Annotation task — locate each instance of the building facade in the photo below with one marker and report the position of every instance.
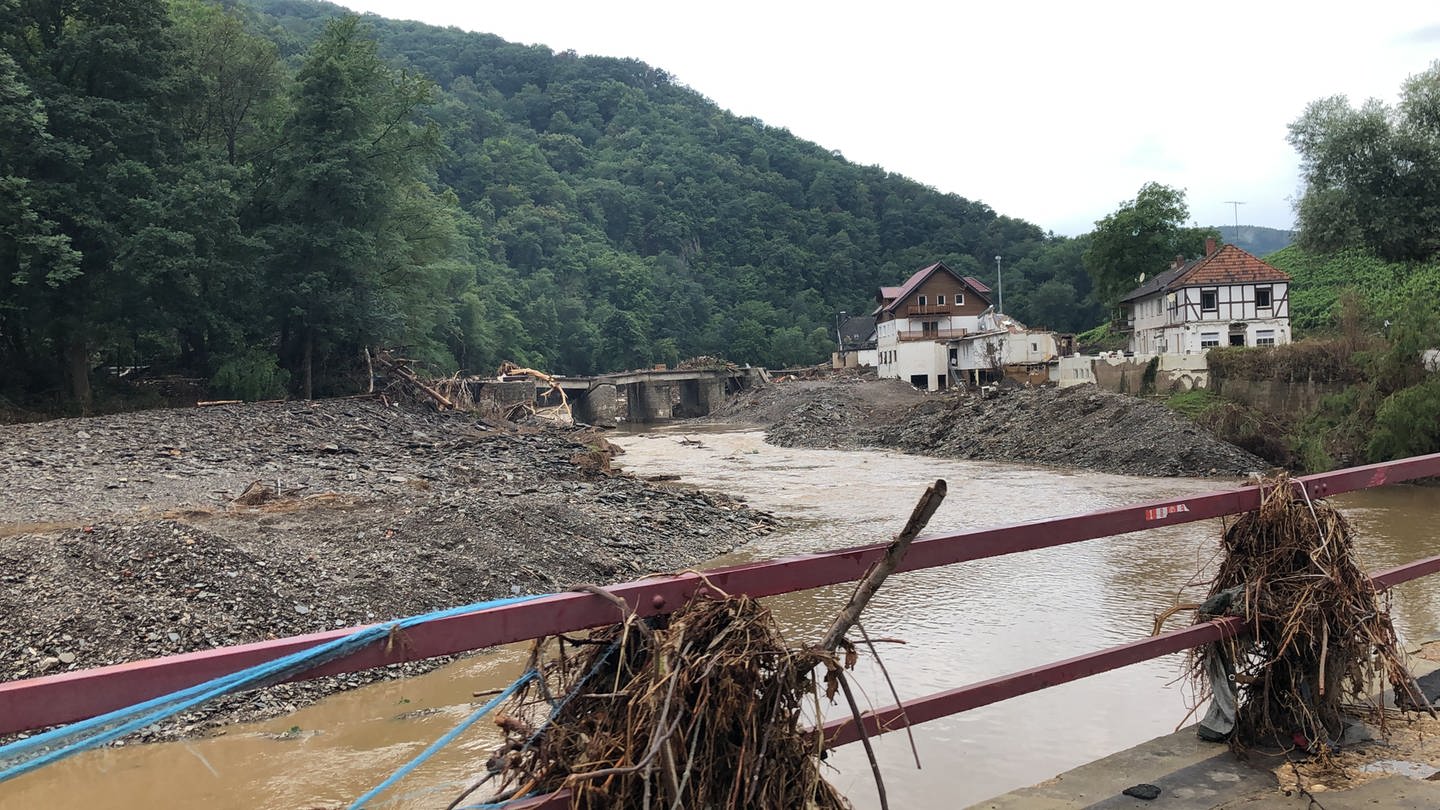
(916, 321)
(1226, 298)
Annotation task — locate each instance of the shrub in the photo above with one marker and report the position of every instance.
(1102, 339)
(252, 375)
(1407, 423)
(1327, 361)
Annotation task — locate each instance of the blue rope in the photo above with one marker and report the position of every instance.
(481, 712)
(499, 805)
(52, 746)
(444, 740)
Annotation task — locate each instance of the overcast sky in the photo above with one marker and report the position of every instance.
(1052, 112)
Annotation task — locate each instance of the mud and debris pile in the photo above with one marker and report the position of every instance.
(1070, 427)
(161, 532)
(797, 403)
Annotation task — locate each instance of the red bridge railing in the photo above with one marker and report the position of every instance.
(63, 698)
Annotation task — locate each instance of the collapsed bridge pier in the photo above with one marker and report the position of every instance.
(656, 395)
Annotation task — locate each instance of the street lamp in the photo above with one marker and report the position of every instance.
(840, 329)
(1000, 283)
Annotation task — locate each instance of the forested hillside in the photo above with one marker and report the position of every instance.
(251, 195)
(1255, 239)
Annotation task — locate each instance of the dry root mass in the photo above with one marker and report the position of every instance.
(704, 708)
(1319, 638)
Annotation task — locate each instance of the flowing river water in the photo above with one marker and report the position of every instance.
(962, 624)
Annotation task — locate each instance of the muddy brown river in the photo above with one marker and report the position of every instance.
(962, 624)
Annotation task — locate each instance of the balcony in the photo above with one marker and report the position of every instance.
(930, 309)
(930, 334)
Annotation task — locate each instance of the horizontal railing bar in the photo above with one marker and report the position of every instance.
(70, 696)
(843, 731)
(1005, 687)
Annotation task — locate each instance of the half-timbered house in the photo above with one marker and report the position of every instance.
(1225, 298)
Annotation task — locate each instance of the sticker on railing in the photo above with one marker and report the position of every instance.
(1159, 512)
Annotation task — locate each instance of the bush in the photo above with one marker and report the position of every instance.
(1407, 423)
(1311, 455)
(251, 376)
(1102, 339)
(1336, 432)
(1325, 361)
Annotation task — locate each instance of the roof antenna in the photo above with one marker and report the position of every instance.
(1236, 204)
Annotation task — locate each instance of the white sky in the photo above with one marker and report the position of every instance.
(1051, 112)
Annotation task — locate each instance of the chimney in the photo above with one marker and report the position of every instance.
(1209, 245)
(1178, 263)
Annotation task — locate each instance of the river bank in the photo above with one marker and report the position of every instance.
(1077, 428)
(160, 532)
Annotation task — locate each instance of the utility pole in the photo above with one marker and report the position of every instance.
(1000, 285)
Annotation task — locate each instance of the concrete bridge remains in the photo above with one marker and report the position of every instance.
(656, 395)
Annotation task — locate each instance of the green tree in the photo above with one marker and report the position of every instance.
(350, 223)
(1372, 174)
(231, 79)
(89, 84)
(1139, 239)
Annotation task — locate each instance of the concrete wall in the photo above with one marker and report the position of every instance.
(1182, 372)
(854, 358)
(503, 395)
(1173, 372)
(1277, 395)
(909, 360)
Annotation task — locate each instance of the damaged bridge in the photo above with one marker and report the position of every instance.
(643, 396)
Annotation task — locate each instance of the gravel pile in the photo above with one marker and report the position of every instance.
(128, 541)
(1071, 427)
(862, 399)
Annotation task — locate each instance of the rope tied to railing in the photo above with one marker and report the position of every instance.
(23, 756)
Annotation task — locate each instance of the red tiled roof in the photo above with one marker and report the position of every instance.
(977, 284)
(1228, 265)
(889, 293)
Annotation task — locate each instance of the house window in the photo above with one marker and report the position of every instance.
(959, 299)
(1209, 301)
(1262, 297)
(940, 300)
(930, 328)
(922, 301)
(1264, 337)
(1208, 339)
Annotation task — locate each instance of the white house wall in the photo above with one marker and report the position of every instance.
(909, 359)
(1158, 329)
